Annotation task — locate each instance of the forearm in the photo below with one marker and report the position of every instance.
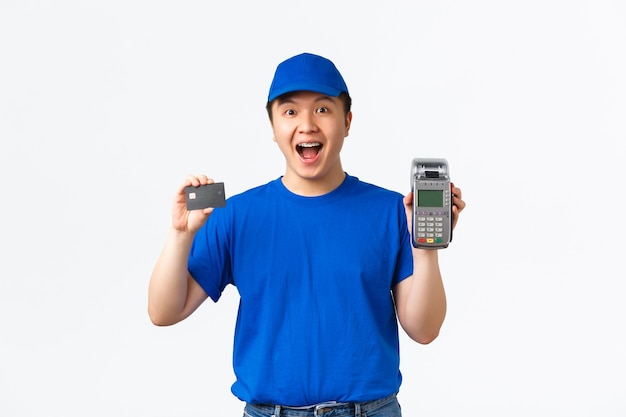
(168, 289)
(421, 299)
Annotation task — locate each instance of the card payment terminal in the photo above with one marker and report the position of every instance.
(432, 203)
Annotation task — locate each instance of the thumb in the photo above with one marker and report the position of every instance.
(408, 199)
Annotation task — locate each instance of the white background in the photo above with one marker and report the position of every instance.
(105, 106)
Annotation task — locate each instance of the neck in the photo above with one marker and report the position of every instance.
(312, 187)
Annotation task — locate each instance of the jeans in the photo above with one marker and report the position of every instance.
(385, 407)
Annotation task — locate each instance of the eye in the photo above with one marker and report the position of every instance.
(322, 110)
(289, 112)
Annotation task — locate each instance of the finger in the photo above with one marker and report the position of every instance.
(204, 180)
(459, 204)
(191, 180)
(455, 217)
(456, 191)
(197, 180)
(408, 199)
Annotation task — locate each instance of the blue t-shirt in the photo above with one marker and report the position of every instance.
(316, 319)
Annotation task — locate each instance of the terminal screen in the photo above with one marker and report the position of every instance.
(430, 198)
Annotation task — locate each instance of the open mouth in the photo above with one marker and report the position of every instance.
(309, 150)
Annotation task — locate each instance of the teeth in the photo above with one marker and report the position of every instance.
(310, 145)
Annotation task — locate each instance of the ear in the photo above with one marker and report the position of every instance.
(348, 123)
(272, 127)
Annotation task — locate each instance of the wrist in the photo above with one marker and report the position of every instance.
(426, 254)
(181, 236)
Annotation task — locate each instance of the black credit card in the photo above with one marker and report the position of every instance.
(204, 196)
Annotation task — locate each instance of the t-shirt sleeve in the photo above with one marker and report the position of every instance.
(209, 258)
(404, 265)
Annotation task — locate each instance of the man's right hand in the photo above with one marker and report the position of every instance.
(184, 220)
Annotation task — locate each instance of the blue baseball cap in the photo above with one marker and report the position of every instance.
(307, 72)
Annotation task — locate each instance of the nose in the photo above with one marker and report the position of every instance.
(307, 122)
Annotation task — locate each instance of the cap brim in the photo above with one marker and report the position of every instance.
(317, 88)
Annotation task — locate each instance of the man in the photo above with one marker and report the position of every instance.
(322, 262)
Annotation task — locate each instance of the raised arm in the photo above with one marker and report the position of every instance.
(172, 293)
(421, 299)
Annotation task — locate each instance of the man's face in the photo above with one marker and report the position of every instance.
(309, 129)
